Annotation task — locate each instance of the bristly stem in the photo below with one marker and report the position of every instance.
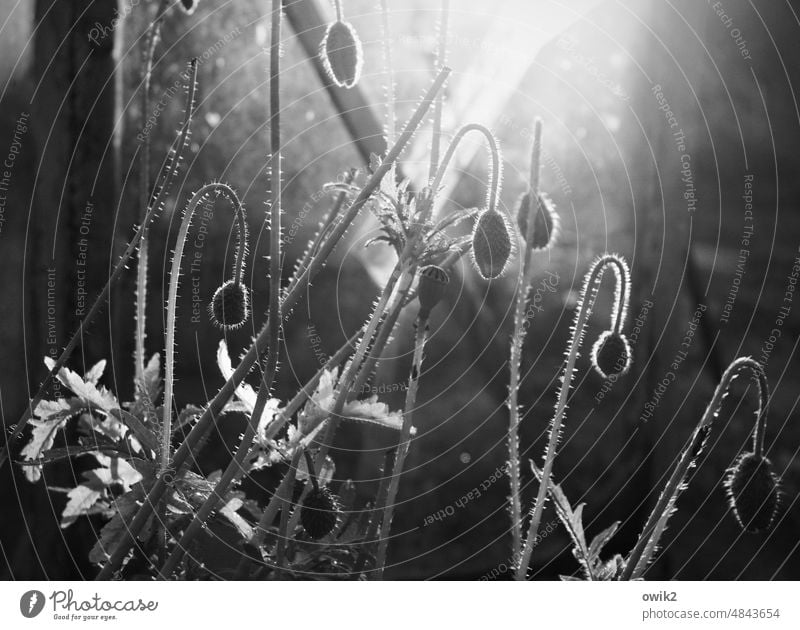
(259, 345)
(172, 298)
(170, 170)
(646, 545)
(494, 154)
(150, 44)
(404, 446)
(441, 60)
(339, 12)
(274, 321)
(584, 310)
(389, 68)
(515, 362)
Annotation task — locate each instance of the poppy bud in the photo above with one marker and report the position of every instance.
(229, 306)
(188, 6)
(319, 513)
(432, 285)
(753, 492)
(545, 221)
(341, 54)
(611, 354)
(491, 244)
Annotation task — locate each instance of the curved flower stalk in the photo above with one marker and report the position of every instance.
(764, 503)
(260, 344)
(433, 282)
(171, 167)
(517, 341)
(585, 306)
(496, 167)
(172, 298)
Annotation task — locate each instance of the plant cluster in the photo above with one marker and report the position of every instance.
(143, 480)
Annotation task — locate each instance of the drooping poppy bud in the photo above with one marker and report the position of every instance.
(491, 244)
(230, 305)
(611, 354)
(342, 54)
(188, 6)
(545, 222)
(433, 282)
(319, 513)
(753, 492)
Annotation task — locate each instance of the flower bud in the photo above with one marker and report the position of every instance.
(188, 6)
(319, 513)
(229, 307)
(545, 221)
(491, 244)
(611, 354)
(753, 492)
(433, 282)
(342, 55)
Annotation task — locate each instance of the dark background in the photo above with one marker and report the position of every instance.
(612, 169)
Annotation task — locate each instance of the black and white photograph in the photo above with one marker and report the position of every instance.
(408, 291)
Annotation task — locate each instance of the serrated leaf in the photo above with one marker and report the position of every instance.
(601, 540)
(152, 377)
(145, 436)
(244, 392)
(82, 498)
(88, 391)
(79, 501)
(95, 372)
(115, 529)
(51, 416)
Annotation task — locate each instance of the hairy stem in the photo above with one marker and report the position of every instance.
(441, 60)
(494, 153)
(172, 299)
(588, 297)
(515, 362)
(170, 170)
(259, 346)
(405, 444)
(645, 547)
